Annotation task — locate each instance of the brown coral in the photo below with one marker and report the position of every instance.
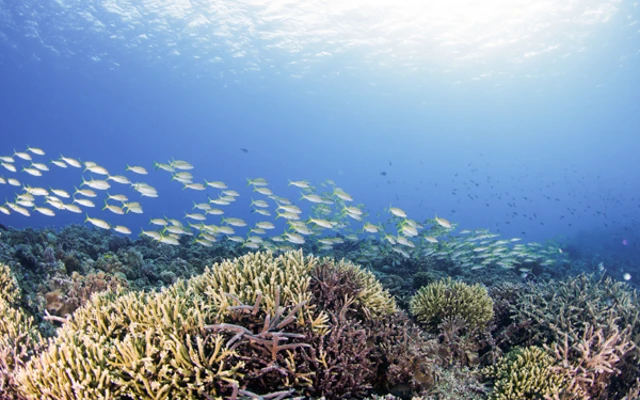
(360, 352)
(405, 356)
(267, 352)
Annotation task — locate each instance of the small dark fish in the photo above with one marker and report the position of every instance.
(383, 173)
(390, 163)
(244, 150)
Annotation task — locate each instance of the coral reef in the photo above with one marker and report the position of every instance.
(268, 353)
(137, 319)
(447, 298)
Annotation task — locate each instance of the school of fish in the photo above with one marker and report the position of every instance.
(332, 219)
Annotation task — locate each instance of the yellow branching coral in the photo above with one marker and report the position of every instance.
(145, 345)
(447, 299)
(259, 273)
(527, 373)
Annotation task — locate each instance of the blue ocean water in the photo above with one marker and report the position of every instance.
(522, 118)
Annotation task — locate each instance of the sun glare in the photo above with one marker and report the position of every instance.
(402, 35)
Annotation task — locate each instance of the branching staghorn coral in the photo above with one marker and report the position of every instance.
(288, 275)
(367, 346)
(593, 318)
(342, 359)
(569, 307)
(591, 362)
(457, 347)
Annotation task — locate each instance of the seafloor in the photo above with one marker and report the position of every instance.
(88, 314)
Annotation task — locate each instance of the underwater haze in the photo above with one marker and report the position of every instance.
(520, 117)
